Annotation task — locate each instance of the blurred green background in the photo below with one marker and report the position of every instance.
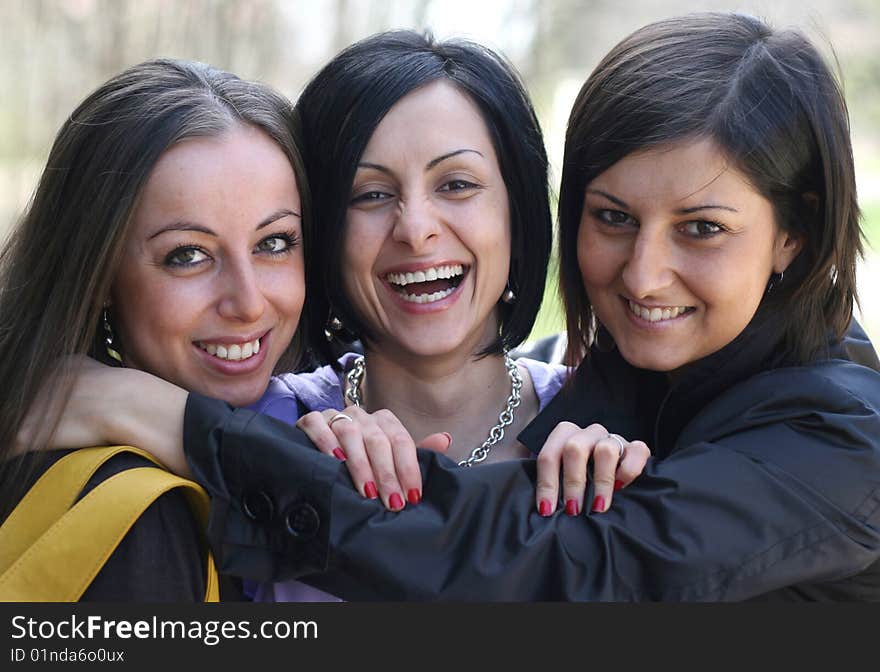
(54, 52)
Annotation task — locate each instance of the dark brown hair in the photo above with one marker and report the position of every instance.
(771, 103)
(58, 265)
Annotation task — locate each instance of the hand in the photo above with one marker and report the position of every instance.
(571, 448)
(379, 452)
(108, 406)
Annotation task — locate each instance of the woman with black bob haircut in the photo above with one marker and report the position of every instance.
(709, 231)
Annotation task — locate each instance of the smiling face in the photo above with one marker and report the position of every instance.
(675, 248)
(211, 284)
(427, 245)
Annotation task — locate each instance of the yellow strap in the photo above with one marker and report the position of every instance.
(51, 496)
(57, 565)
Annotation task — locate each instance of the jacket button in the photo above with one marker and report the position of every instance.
(257, 506)
(302, 520)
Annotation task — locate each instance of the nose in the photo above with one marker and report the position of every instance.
(416, 225)
(650, 267)
(242, 298)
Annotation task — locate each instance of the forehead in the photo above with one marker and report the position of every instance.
(233, 172)
(432, 118)
(676, 172)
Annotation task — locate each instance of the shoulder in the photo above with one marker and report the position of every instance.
(291, 395)
(839, 391)
(161, 558)
(547, 378)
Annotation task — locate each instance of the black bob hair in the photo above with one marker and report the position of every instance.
(340, 109)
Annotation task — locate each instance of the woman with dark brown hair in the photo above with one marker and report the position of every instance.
(709, 232)
(165, 234)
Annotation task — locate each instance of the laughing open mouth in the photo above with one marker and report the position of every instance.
(429, 284)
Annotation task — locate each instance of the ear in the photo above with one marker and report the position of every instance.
(786, 247)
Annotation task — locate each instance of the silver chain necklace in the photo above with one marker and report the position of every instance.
(353, 395)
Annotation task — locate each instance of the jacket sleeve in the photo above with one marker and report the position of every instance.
(726, 519)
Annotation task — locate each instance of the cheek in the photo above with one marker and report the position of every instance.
(597, 261)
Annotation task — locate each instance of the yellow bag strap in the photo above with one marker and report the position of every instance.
(51, 562)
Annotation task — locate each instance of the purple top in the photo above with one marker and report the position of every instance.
(290, 396)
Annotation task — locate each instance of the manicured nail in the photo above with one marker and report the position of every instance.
(396, 501)
(448, 438)
(599, 504)
(370, 490)
(414, 496)
(618, 485)
(339, 454)
(571, 507)
(544, 507)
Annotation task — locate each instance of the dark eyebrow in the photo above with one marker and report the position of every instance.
(681, 211)
(440, 159)
(611, 198)
(430, 164)
(191, 226)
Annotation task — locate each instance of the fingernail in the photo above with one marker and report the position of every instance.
(396, 501)
(370, 490)
(544, 507)
(339, 454)
(414, 496)
(448, 438)
(618, 485)
(599, 504)
(571, 507)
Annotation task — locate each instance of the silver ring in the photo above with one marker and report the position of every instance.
(339, 416)
(620, 442)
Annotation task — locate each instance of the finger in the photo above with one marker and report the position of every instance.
(439, 443)
(633, 463)
(403, 452)
(316, 425)
(606, 456)
(550, 462)
(348, 436)
(381, 458)
(575, 455)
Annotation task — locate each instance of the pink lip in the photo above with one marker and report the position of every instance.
(233, 368)
(424, 308)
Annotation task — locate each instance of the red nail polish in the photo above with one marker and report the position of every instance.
(599, 504)
(396, 501)
(618, 485)
(370, 490)
(339, 454)
(544, 507)
(571, 507)
(414, 496)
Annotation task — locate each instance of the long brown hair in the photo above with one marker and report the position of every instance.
(58, 265)
(773, 105)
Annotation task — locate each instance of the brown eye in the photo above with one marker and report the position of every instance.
(702, 228)
(614, 217)
(185, 256)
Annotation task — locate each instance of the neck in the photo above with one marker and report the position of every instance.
(462, 396)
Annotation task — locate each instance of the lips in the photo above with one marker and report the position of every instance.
(657, 313)
(427, 285)
(231, 351)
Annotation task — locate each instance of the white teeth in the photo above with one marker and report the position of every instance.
(656, 314)
(434, 273)
(234, 352)
(427, 298)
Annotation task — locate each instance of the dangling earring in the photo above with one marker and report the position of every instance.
(109, 337)
(509, 295)
(334, 326)
(775, 281)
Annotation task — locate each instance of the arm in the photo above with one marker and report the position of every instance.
(727, 519)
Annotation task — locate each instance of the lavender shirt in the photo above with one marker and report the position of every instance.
(290, 396)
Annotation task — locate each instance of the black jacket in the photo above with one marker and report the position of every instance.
(766, 484)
